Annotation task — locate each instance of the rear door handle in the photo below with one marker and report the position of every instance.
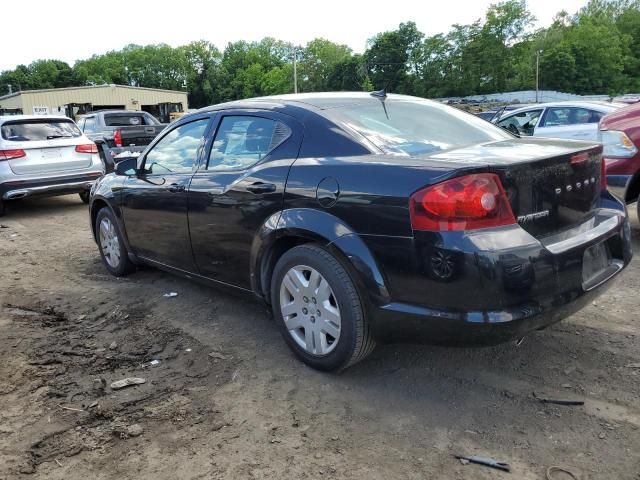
(175, 188)
(260, 187)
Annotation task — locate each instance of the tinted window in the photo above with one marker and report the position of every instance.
(37, 130)
(177, 151)
(89, 125)
(562, 116)
(242, 141)
(125, 120)
(410, 127)
(522, 123)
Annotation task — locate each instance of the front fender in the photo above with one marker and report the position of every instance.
(325, 229)
(106, 191)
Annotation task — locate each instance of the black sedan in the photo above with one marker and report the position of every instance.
(364, 218)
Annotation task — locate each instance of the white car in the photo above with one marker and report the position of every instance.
(572, 120)
(45, 155)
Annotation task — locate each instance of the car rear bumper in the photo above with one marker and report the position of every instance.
(16, 189)
(397, 322)
(505, 285)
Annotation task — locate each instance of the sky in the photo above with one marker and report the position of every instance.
(76, 29)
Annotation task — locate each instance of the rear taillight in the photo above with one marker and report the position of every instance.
(117, 138)
(603, 175)
(11, 154)
(87, 148)
(463, 203)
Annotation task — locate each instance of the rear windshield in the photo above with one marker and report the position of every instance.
(37, 130)
(126, 120)
(415, 127)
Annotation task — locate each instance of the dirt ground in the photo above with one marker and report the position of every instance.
(228, 400)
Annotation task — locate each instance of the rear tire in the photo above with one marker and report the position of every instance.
(318, 309)
(112, 249)
(85, 196)
(2, 209)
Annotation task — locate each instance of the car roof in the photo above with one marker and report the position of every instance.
(600, 106)
(121, 112)
(11, 118)
(310, 101)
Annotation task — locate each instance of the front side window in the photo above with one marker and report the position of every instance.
(242, 141)
(522, 123)
(38, 130)
(177, 151)
(89, 125)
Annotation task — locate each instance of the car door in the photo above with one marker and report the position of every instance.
(523, 122)
(239, 185)
(575, 123)
(154, 201)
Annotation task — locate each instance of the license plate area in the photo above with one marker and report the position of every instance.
(595, 261)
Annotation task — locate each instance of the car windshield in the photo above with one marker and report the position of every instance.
(414, 127)
(37, 130)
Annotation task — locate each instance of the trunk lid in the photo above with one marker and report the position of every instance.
(552, 185)
(49, 156)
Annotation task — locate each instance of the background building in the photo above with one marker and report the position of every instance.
(75, 101)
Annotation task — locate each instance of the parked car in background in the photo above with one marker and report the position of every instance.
(45, 155)
(493, 114)
(572, 120)
(117, 131)
(364, 218)
(620, 135)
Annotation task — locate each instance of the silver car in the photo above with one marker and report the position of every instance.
(45, 155)
(572, 120)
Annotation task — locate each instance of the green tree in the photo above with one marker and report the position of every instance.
(319, 60)
(393, 56)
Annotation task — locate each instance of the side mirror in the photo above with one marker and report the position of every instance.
(127, 166)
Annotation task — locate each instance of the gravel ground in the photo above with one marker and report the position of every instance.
(228, 400)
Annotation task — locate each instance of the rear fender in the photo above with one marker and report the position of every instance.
(327, 230)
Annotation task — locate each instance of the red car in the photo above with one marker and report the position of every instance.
(619, 132)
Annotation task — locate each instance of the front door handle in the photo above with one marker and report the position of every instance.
(260, 187)
(175, 188)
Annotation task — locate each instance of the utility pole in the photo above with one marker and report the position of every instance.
(538, 52)
(295, 70)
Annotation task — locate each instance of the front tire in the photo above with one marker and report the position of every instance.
(318, 309)
(85, 196)
(112, 248)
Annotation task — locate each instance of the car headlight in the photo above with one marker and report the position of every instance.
(616, 144)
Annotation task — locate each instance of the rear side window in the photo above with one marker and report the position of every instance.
(38, 130)
(125, 120)
(242, 141)
(414, 127)
(562, 116)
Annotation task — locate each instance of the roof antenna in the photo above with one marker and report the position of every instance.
(382, 96)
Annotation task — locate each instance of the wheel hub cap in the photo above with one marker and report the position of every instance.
(310, 310)
(109, 243)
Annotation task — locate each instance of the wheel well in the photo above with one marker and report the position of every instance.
(269, 260)
(633, 190)
(95, 208)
